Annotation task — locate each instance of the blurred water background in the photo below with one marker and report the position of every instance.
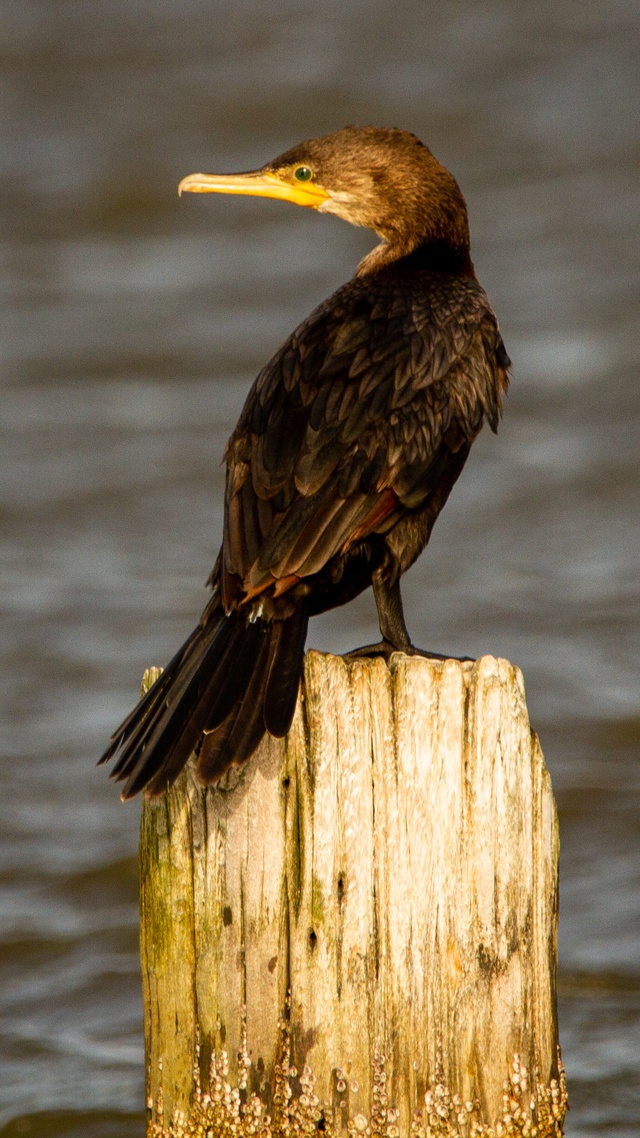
(133, 325)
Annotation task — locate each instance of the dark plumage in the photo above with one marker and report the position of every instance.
(349, 443)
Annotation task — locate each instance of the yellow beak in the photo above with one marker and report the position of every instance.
(261, 184)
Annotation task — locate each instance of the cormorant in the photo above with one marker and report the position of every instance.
(347, 448)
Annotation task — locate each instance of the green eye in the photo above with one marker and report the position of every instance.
(302, 174)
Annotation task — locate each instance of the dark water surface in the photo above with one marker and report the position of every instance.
(133, 325)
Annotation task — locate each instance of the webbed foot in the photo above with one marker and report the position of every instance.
(383, 648)
(386, 649)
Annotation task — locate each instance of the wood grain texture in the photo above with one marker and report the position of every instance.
(392, 864)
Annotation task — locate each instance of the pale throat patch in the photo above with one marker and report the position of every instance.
(335, 202)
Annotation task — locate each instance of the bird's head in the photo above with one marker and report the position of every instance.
(381, 179)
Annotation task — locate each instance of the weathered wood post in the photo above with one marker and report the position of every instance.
(360, 934)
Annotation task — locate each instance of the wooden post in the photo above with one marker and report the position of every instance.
(357, 933)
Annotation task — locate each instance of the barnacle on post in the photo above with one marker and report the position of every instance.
(223, 1111)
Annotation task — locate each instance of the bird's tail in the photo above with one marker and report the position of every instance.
(236, 677)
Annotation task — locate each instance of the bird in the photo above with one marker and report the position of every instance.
(349, 443)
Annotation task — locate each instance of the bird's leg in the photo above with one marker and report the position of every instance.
(391, 614)
(395, 637)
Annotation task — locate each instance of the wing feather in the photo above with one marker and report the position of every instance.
(355, 419)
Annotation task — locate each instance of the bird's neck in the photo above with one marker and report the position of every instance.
(436, 256)
(427, 227)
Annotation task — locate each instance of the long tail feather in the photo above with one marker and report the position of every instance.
(170, 710)
(284, 674)
(235, 677)
(236, 738)
(146, 705)
(176, 734)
